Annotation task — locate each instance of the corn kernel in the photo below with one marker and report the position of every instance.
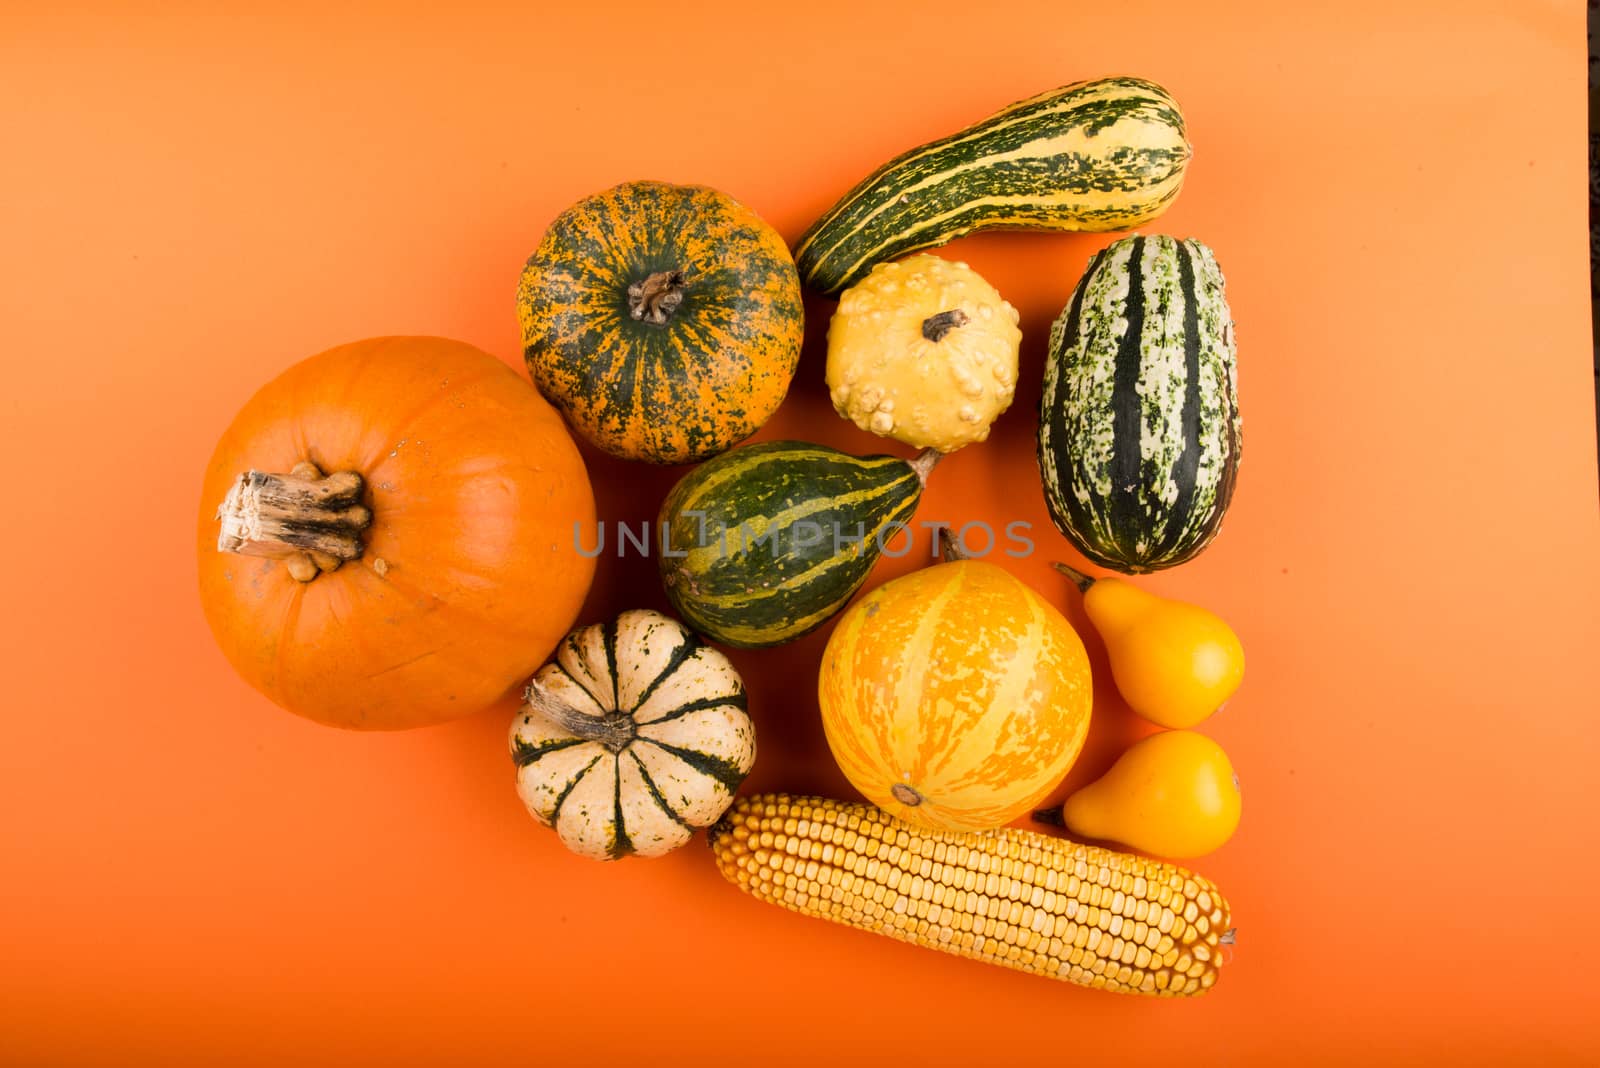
(1106, 920)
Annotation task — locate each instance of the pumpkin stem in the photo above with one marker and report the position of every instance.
(655, 298)
(310, 521)
(1079, 579)
(922, 463)
(948, 549)
(614, 730)
(935, 327)
(1051, 817)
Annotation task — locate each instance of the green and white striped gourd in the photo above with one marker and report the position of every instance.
(635, 735)
(766, 542)
(1096, 155)
(1139, 431)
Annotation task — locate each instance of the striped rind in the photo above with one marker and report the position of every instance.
(958, 682)
(767, 542)
(1098, 156)
(1139, 431)
(693, 747)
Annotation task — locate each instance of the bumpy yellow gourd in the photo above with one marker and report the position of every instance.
(923, 351)
(1174, 663)
(1173, 794)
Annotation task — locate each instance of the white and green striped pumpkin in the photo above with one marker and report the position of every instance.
(635, 735)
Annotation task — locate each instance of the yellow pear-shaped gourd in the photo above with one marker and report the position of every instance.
(923, 351)
(1173, 794)
(1174, 663)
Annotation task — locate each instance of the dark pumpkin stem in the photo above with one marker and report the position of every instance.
(948, 549)
(1079, 579)
(1051, 817)
(615, 730)
(310, 521)
(935, 327)
(655, 298)
(922, 463)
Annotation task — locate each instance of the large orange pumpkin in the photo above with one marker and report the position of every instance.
(955, 697)
(386, 534)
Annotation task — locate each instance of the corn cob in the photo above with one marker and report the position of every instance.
(1111, 921)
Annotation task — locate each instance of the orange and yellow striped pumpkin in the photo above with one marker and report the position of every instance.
(955, 697)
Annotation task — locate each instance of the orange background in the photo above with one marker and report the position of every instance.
(192, 202)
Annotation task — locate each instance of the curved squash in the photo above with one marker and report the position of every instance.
(767, 542)
(1096, 156)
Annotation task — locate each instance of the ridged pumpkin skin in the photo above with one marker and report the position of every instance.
(633, 736)
(719, 361)
(469, 575)
(1139, 432)
(1099, 155)
(767, 542)
(959, 686)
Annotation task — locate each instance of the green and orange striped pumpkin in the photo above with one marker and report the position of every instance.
(955, 697)
(663, 320)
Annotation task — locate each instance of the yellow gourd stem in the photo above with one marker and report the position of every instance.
(310, 521)
(1082, 581)
(1051, 817)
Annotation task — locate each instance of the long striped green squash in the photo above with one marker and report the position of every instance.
(766, 542)
(1099, 155)
(1139, 422)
